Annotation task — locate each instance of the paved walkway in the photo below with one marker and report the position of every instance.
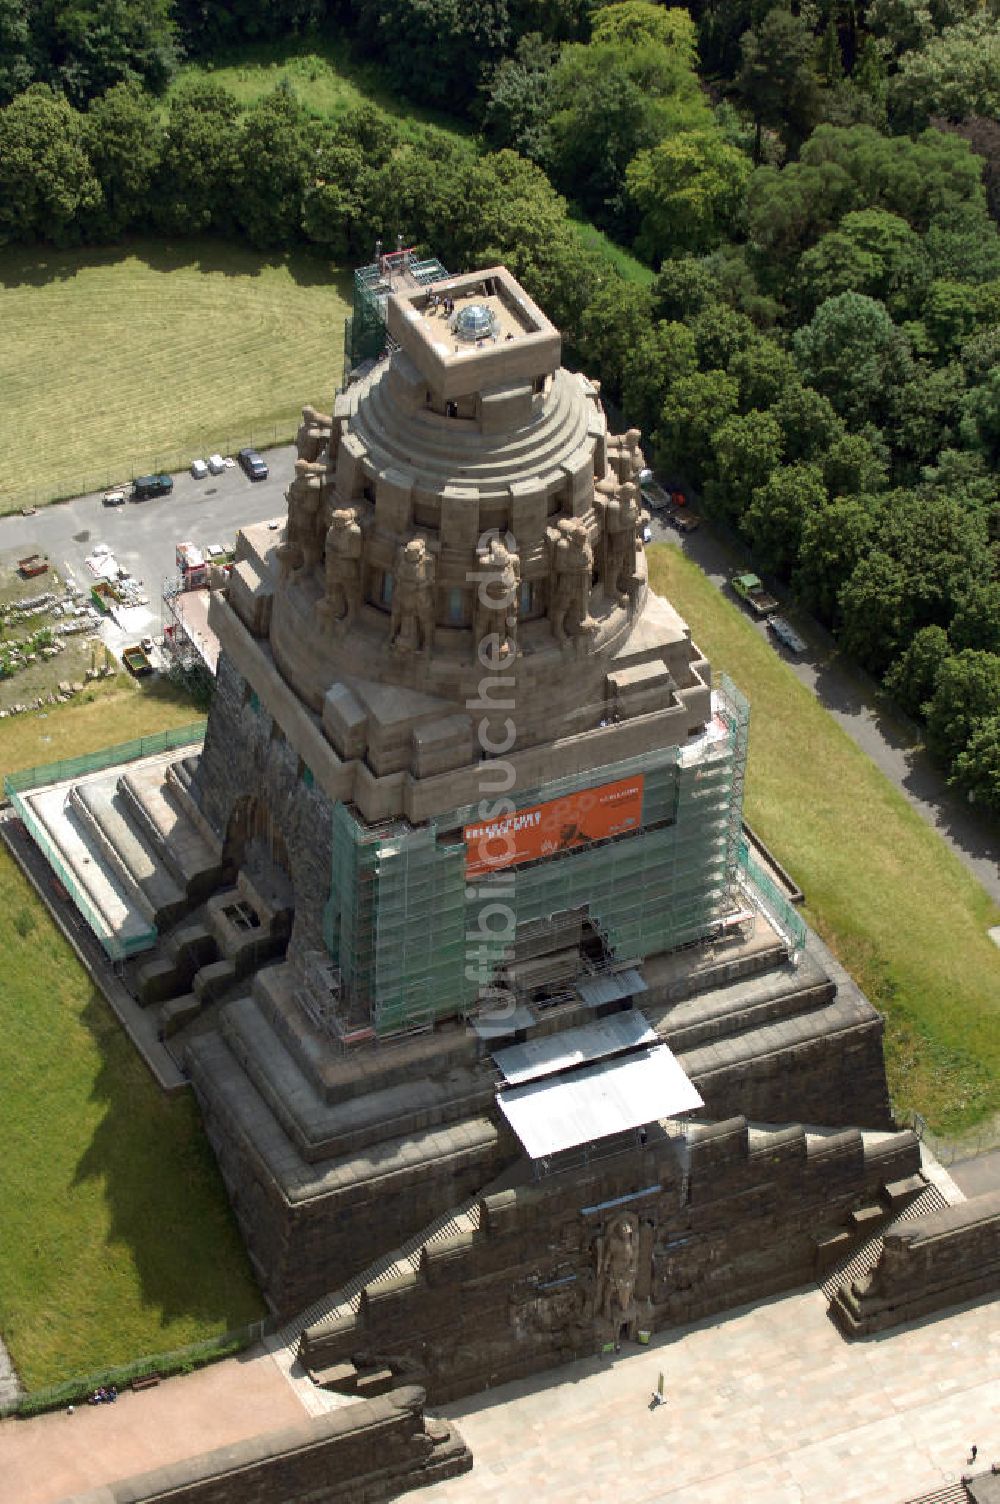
(766, 1406)
(52, 1457)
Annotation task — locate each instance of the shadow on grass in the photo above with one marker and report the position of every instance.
(34, 266)
(165, 1196)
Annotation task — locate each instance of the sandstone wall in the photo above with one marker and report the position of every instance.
(368, 1451)
(715, 1220)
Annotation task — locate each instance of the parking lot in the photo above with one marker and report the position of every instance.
(142, 535)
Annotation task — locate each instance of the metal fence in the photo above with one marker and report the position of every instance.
(119, 470)
(107, 757)
(179, 1360)
(952, 1151)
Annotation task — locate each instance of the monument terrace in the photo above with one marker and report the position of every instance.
(507, 1043)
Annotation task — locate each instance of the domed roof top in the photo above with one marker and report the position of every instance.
(475, 321)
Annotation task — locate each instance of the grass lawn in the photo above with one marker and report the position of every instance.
(108, 712)
(594, 239)
(125, 359)
(326, 79)
(882, 888)
(116, 1237)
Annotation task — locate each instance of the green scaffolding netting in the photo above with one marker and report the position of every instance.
(415, 939)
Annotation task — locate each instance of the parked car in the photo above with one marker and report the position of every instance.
(786, 634)
(151, 485)
(252, 464)
(115, 498)
(647, 534)
(684, 522)
(216, 464)
(199, 469)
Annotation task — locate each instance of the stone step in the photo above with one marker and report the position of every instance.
(178, 1012)
(146, 795)
(126, 850)
(746, 1004)
(321, 1129)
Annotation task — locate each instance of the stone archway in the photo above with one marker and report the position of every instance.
(255, 845)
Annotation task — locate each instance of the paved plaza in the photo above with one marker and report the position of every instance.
(768, 1405)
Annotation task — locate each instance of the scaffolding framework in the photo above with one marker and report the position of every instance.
(415, 939)
(365, 333)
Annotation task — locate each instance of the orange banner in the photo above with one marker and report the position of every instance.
(559, 825)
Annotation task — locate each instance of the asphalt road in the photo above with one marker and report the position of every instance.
(143, 535)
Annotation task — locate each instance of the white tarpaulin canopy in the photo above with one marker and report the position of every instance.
(595, 1101)
(560, 1052)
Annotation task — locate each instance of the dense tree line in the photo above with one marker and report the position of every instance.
(819, 354)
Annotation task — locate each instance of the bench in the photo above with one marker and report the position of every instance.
(145, 1381)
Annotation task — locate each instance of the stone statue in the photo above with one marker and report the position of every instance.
(412, 623)
(572, 564)
(313, 434)
(617, 1252)
(623, 519)
(497, 598)
(344, 547)
(303, 532)
(633, 454)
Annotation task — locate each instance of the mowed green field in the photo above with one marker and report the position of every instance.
(326, 80)
(881, 887)
(122, 360)
(116, 1237)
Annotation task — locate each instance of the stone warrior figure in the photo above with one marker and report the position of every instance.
(303, 531)
(623, 518)
(313, 435)
(572, 564)
(344, 544)
(411, 627)
(498, 576)
(617, 1252)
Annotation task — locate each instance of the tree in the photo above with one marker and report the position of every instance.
(17, 68)
(832, 541)
(852, 352)
(689, 192)
(924, 417)
(979, 423)
(46, 181)
(808, 422)
(437, 51)
(518, 98)
(91, 45)
(663, 353)
(614, 323)
(719, 333)
(854, 465)
(764, 370)
(912, 677)
(277, 154)
(336, 207)
(966, 693)
(776, 81)
(872, 252)
(683, 288)
(977, 767)
(746, 451)
(608, 104)
(777, 514)
(873, 606)
(694, 407)
(638, 23)
(976, 623)
(950, 314)
(198, 181)
(123, 139)
(956, 74)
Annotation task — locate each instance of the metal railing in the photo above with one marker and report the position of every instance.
(107, 757)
